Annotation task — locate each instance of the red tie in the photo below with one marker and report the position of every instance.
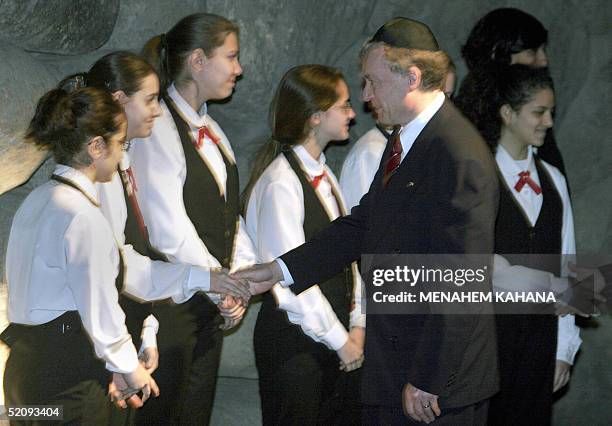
(524, 178)
(127, 177)
(395, 157)
(317, 180)
(204, 131)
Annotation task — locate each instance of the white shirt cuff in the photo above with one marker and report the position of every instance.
(150, 327)
(357, 318)
(124, 359)
(197, 280)
(287, 278)
(336, 337)
(568, 341)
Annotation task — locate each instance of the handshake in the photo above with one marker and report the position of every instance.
(246, 282)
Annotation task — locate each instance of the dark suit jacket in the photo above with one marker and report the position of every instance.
(442, 199)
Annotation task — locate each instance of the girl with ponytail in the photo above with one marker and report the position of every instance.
(188, 191)
(67, 331)
(291, 195)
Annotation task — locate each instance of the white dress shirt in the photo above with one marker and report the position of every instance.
(62, 257)
(411, 131)
(360, 166)
(517, 277)
(158, 164)
(275, 222)
(146, 279)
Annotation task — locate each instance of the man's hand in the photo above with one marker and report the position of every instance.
(351, 356)
(221, 282)
(149, 358)
(420, 405)
(232, 311)
(261, 277)
(562, 374)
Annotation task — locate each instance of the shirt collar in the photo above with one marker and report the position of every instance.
(511, 167)
(79, 179)
(311, 166)
(125, 162)
(195, 119)
(416, 125)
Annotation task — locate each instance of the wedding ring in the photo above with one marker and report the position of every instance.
(426, 405)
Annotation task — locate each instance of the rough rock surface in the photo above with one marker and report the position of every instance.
(58, 26)
(18, 97)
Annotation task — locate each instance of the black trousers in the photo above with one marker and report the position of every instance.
(55, 364)
(471, 415)
(300, 382)
(189, 342)
(527, 350)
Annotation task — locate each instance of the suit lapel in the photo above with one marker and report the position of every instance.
(403, 185)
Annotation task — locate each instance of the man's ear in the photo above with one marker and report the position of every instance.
(121, 97)
(96, 147)
(414, 78)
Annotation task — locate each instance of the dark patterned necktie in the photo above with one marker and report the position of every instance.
(395, 157)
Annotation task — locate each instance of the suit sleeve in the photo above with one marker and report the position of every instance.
(330, 250)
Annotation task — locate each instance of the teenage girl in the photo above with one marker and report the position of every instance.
(189, 195)
(535, 219)
(291, 195)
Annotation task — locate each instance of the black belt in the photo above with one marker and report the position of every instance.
(66, 324)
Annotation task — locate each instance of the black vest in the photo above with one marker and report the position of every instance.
(135, 311)
(214, 217)
(337, 290)
(517, 240)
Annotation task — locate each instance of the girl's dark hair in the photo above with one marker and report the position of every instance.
(119, 71)
(65, 121)
(168, 52)
(514, 86)
(499, 34)
(303, 91)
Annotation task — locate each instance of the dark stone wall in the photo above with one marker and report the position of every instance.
(45, 40)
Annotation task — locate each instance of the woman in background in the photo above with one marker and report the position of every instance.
(501, 38)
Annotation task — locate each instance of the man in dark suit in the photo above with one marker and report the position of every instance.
(435, 192)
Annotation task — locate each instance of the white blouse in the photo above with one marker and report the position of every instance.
(275, 222)
(360, 166)
(146, 279)
(159, 166)
(62, 257)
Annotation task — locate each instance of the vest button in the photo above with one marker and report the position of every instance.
(226, 261)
